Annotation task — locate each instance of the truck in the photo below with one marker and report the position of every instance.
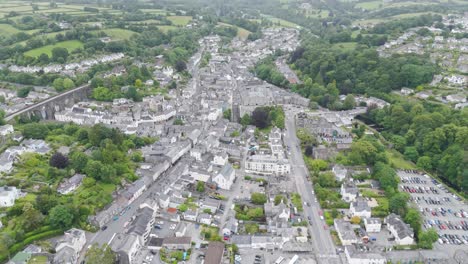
(294, 259)
(279, 260)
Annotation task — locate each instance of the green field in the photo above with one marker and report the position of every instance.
(38, 260)
(241, 32)
(369, 5)
(397, 160)
(165, 28)
(345, 45)
(281, 22)
(118, 33)
(71, 45)
(8, 30)
(180, 20)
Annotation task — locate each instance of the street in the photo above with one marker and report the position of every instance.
(323, 245)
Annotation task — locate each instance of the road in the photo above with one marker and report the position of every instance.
(323, 244)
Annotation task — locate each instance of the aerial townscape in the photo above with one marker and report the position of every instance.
(233, 132)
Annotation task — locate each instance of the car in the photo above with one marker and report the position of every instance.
(103, 228)
(310, 219)
(115, 218)
(157, 227)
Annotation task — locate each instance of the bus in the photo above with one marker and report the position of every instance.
(279, 260)
(294, 259)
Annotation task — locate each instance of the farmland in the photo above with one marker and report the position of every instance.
(180, 20)
(70, 45)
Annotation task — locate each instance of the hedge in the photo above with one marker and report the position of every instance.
(20, 245)
(42, 229)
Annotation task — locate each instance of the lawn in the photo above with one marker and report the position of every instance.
(118, 33)
(180, 20)
(345, 45)
(281, 22)
(241, 32)
(38, 260)
(369, 5)
(71, 45)
(166, 29)
(8, 30)
(397, 160)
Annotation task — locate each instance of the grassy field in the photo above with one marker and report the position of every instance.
(241, 32)
(71, 45)
(372, 5)
(38, 260)
(345, 45)
(318, 13)
(180, 20)
(397, 160)
(118, 33)
(281, 22)
(8, 30)
(165, 28)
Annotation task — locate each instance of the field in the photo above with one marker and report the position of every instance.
(165, 28)
(369, 5)
(38, 260)
(8, 30)
(397, 160)
(345, 45)
(71, 45)
(180, 20)
(117, 33)
(241, 32)
(281, 22)
(378, 4)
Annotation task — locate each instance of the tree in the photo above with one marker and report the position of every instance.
(100, 255)
(327, 179)
(398, 203)
(258, 198)
(23, 92)
(43, 59)
(260, 117)
(79, 160)
(349, 102)
(183, 208)
(58, 160)
(413, 218)
(45, 202)
(31, 217)
(68, 84)
(279, 198)
(178, 122)
(424, 163)
(411, 153)
(58, 84)
(180, 66)
(61, 216)
(35, 130)
(355, 220)
(245, 120)
(200, 186)
(427, 238)
(59, 54)
(227, 114)
(317, 165)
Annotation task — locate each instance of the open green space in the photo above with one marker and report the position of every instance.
(397, 160)
(38, 260)
(180, 20)
(345, 45)
(70, 45)
(165, 28)
(8, 30)
(241, 32)
(118, 33)
(369, 5)
(281, 22)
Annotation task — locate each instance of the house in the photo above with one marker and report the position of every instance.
(267, 242)
(20, 258)
(204, 219)
(266, 164)
(135, 190)
(358, 254)
(6, 130)
(278, 212)
(340, 172)
(349, 191)
(214, 253)
(242, 241)
(211, 204)
(225, 178)
(403, 233)
(68, 249)
(190, 215)
(231, 226)
(372, 225)
(406, 91)
(360, 208)
(171, 214)
(143, 223)
(126, 246)
(69, 185)
(181, 230)
(155, 243)
(345, 232)
(220, 158)
(8, 195)
(164, 200)
(177, 243)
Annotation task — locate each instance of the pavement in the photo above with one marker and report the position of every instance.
(324, 248)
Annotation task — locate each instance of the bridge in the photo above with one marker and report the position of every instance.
(47, 108)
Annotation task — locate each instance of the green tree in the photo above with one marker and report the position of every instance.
(245, 120)
(68, 84)
(398, 203)
(200, 186)
(100, 255)
(58, 84)
(349, 102)
(59, 54)
(227, 114)
(411, 153)
(78, 161)
(31, 217)
(23, 92)
(413, 218)
(327, 179)
(61, 216)
(102, 94)
(182, 208)
(280, 198)
(58, 160)
(258, 198)
(427, 238)
(424, 163)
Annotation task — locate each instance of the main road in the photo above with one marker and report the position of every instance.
(325, 250)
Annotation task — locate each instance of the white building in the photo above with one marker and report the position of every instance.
(358, 254)
(403, 233)
(220, 158)
(373, 225)
(345, 232)
(126, 246)
(6, 129)
(360, 208)
(340, 172)
(265, 164)
(225, 178)
(8, 195)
